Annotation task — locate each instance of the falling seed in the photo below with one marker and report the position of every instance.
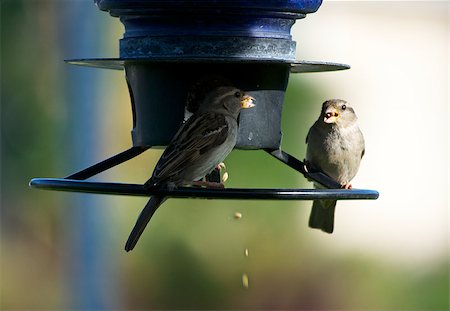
(237, 215)
(246, 252)
(245, 280)
(225, 177)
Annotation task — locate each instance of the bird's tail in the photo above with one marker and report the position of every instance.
(322, 215)
(142, 221)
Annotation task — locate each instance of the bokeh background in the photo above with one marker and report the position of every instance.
(64, 251)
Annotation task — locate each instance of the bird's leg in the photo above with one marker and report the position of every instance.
(207, 184)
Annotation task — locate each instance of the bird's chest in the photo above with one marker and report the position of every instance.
(338, 145)
(339, 153)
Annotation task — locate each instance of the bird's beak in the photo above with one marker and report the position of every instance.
(331, 116)
(247, 102)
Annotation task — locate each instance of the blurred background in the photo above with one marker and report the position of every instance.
(64, 251)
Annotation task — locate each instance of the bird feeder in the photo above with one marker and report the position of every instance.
(168, 46)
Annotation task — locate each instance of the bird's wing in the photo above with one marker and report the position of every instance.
(309, 133)
(363, 144)
(198, 135)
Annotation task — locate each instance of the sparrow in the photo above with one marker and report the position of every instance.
(195, 96)
(202, 142)
(335, 147)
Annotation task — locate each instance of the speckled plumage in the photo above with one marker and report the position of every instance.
(335, 147)
(201, 143)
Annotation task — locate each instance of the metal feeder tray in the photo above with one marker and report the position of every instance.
(74, 183)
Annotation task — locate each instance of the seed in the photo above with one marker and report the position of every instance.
(245, 280)
(225, 177)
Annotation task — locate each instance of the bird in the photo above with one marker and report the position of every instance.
(335, 146)
(201, 143)
(195, 96)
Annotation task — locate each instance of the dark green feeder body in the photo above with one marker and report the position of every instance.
(159, 92)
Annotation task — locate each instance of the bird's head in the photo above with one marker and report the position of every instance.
(337, 111)
(228, 100)
(201, 88)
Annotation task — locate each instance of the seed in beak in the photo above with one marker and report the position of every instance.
(330, 117)
(247, 102)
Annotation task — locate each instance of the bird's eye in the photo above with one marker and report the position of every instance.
(344, 107)
(237, 94)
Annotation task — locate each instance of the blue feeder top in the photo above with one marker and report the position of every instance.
(297, 6)
(208, 29)
(230, 31)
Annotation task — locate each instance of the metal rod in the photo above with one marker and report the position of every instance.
(188, 192)
(299, 166)
(108, 163)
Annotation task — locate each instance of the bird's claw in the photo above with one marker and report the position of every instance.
(347, 186)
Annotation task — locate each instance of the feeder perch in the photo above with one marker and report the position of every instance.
(170, 45)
